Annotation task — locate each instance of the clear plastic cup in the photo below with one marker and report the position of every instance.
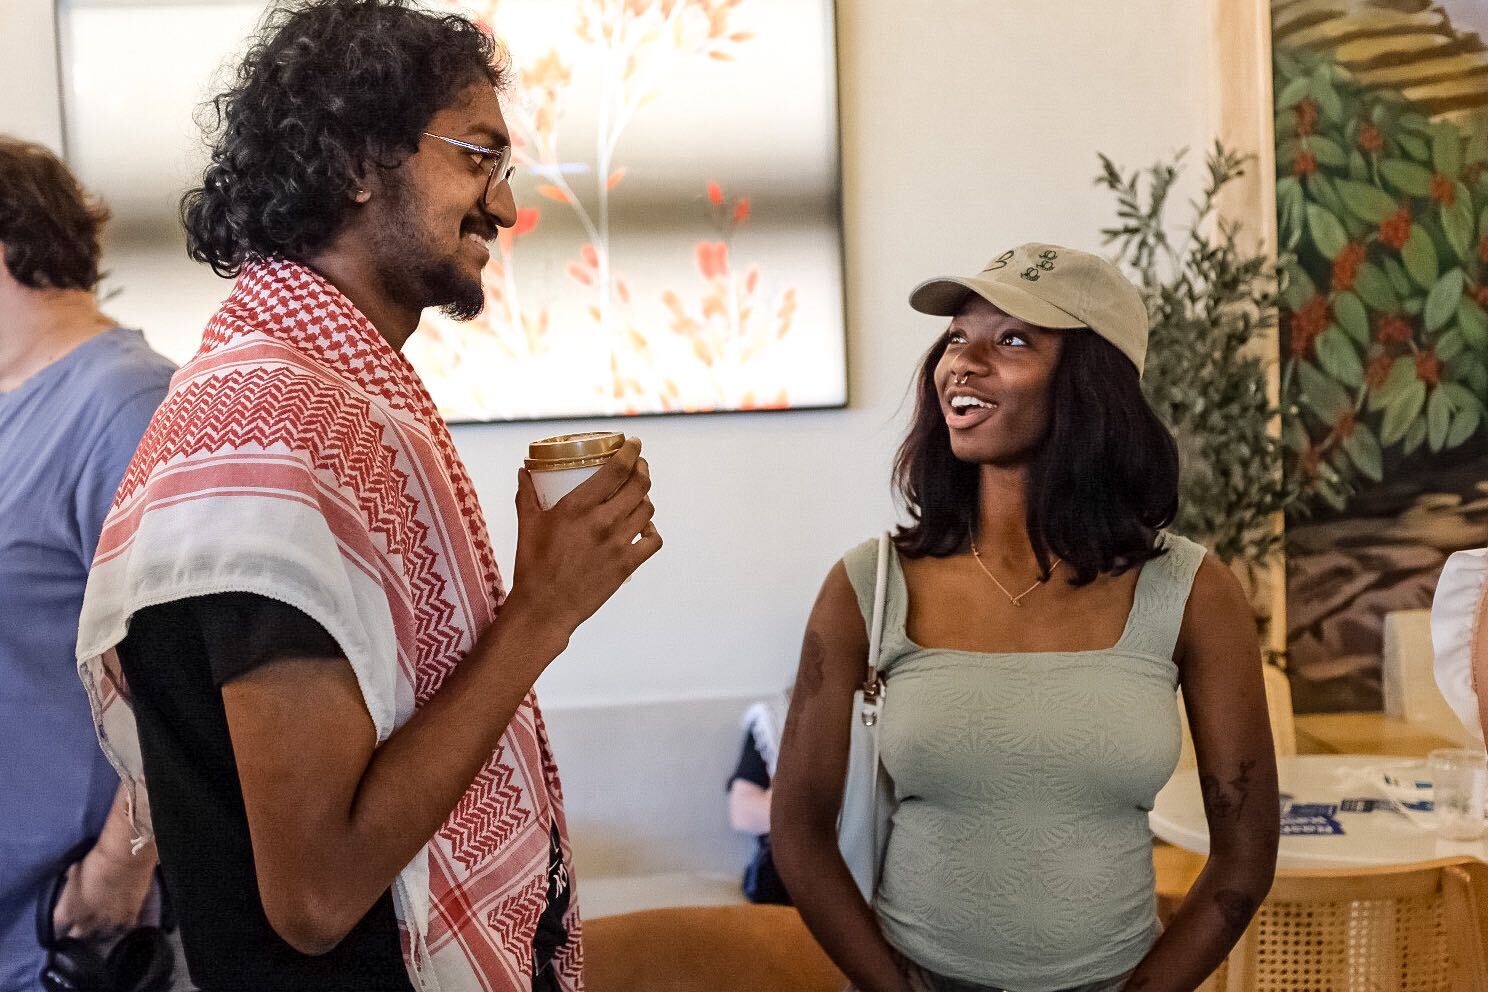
(1459, 792)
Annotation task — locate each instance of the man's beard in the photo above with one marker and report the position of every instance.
(411, 267)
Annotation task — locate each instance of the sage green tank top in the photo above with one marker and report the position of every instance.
(1019, 854)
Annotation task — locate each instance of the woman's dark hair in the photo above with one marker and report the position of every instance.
(328, 90)
(1103, 482)
(49, 226)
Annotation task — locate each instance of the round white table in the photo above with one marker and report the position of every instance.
(1381, 836)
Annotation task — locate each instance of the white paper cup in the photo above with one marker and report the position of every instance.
(554, 484)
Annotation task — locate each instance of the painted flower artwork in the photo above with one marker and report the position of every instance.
(677, 245)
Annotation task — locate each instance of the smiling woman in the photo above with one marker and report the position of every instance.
(1027, 724)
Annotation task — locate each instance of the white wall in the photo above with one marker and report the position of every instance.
(968, 127)
(30, 106)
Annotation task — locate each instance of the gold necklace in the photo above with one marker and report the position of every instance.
(1018, 599)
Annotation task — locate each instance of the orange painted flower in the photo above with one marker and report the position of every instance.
(527, 218)
(1309, 320)
(1378, 371)
(1305, 164)
(1395, 229)
(741, 211)
(1346, 265)
(1371, 138)
(1394, 329)
(1307, 116)
(547, 73)
(589, 255)
(1443, 190)
(712, 259)
(1345, 424)
(1428, 368)
(715, 194)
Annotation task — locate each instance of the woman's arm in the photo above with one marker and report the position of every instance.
(807, 792)
(1219, 659)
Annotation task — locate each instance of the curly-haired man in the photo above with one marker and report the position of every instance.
(76, 391)
(318, 672)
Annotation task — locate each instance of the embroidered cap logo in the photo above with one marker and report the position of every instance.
(1045, 262)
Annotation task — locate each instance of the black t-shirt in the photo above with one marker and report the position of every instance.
(175, 659)
(761, 881)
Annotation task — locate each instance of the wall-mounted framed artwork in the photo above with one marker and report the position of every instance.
(1375, 132)
(679, 242)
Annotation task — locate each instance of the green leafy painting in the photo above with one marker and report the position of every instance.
(1382, 208)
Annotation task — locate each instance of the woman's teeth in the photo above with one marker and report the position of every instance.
(968, 402)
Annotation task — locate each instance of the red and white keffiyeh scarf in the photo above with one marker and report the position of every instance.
(298, 456)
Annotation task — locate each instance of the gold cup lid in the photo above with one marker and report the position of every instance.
(572, 447)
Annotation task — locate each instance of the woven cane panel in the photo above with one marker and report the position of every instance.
(1376, 945)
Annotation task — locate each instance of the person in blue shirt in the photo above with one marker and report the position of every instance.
(76, 392)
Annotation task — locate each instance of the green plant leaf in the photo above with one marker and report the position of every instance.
(1363, 449)
(1446, 149)
(1358, 166)
(1362, 199)
(1477, 142)
(1414, 147)
(1290, 202)
(1327, 233)
(1408, 177)
(1338, 358)
(1326, 96)
(1299, 287)
(1473, 322)
(1438, 420)
(1398, 277)
(1293, 92)
(1464, 425)
(1349, 311)
(1401, 413)
(1331, 495)
(1419, 256)
(1374, 288)
(1402, 373)
(1477, 378)
(1450, 345)
(1415, 122)
(1326, 397)
(1327, 151)
(1414, 438)
(1457, 223)
(1441, 304)
(1323, 192)
(1460, 397)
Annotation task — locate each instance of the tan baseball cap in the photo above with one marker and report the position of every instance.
(1050, 286)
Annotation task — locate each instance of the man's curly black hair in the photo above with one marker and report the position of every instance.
(328, 90)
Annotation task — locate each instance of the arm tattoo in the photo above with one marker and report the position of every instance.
(808, 681)
(813, 659)
(1237, 908)
(1221, 802)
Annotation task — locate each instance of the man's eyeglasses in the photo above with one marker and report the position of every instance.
(501, 161)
